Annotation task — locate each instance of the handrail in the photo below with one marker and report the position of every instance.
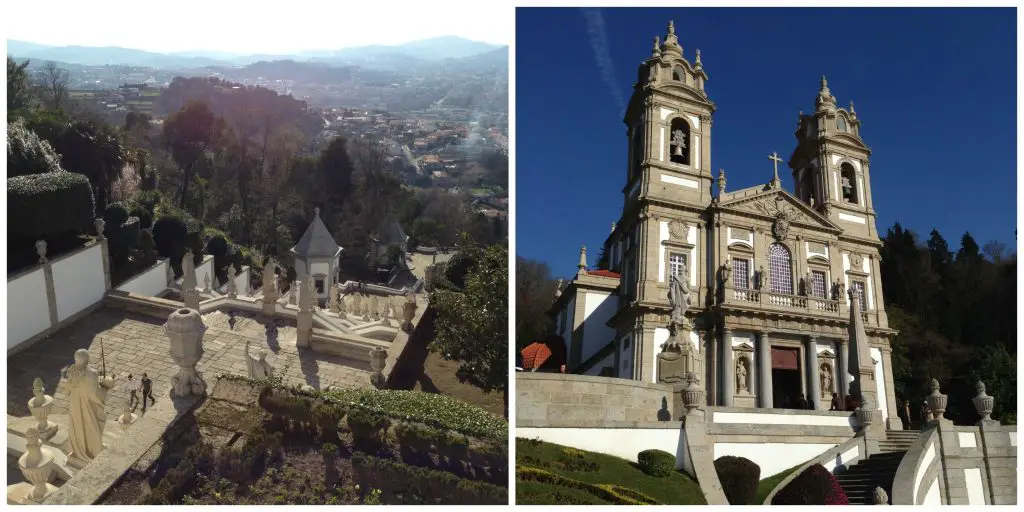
(904, 486)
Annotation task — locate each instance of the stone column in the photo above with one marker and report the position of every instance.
(843, 376)
(728, 370)
(646, 351)
(895, 423)
(764, 372)
(712, 375)
(812, 365)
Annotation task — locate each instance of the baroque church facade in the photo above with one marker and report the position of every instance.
(766, 273)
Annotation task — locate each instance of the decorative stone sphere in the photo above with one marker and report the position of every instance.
(880, 496)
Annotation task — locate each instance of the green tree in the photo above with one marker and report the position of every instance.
(471, 325)
(535, 292)
(19, 87)
(189, 134)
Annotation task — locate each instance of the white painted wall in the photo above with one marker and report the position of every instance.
(975, 490)
(843, 459)
(662, 236)
(883, 400)
(966, 439)
(1013, 439)
(28, 312)
(598, 308)
(810, 253)
(740, 337)
(773, 458)
(815, 420)
(149, 283)
(242, 281)
(929, 456)
(691, 238)
(320, 268)
(932, 496)
(624, 443)
(203, 269)
(747, 240)
(856, 219)
(78, 281)
(595, 370)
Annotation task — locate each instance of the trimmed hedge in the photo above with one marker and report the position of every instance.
(368, 428)
(27, 153)
(49, 204)
(814, 486)
(405, 484)
(656, 462)
(616, 494)
(739, 478)
(169, 234)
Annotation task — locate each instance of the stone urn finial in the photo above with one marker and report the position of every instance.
(40, 405)
(936, 401)
(185, 330)
(693, 394)
(378, 358)
(100, 224)
(865, 413)
(37, 466)
(41, 251)
(983, 403)
(880, 497)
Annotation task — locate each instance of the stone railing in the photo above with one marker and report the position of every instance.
(782, 300)
(837, 460)
(921, 464)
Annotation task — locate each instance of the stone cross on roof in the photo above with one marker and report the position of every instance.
(775, 158)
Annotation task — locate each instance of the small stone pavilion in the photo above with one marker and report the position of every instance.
(389, 233)
(317, 255)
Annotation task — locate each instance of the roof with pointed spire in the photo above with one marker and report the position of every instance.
(389, 232)
(671, 41)
(825, 98)
(316, 241)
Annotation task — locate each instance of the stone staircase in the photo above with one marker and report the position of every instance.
(879, 470)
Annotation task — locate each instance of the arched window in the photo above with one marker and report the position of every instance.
(841, 123)
(848, 177)
(637, 151)
(679, 143)
(678, 74)
(780, 269)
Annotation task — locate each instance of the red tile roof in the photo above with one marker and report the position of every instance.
(604, 273)
(535, 355)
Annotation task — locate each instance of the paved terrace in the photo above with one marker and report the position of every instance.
(135, 343)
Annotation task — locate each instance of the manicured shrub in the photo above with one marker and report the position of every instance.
(131, 231)
(656, 462)
(454, 446)
(115, 215)
(415, 437)
(52, 204)
(367, 428)
(608, 492)
(148, 247)
(217, 245)
(170, 233)
(144, 214)
(739, 478)
(404, 484)
(572, 459)
(814, 486)
(27, 153)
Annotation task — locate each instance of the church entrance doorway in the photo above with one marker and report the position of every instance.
(786, 382)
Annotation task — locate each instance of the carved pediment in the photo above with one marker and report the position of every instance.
(743, 347)
(827, 354)
(779, 204)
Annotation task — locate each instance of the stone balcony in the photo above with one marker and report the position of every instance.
(786, 303)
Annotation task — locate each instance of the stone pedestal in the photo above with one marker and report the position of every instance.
(693, 396)
(191, 299)
(409, 312)
(185, 330)
(303, 329)
(40, 406)
(728, 367)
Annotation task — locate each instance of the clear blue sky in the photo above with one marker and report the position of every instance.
(935, 90)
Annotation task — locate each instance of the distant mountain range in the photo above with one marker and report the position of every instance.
(435, 49)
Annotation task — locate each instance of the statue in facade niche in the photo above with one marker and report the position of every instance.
(87, 417)
(741, 376)
(826, 379)
(679, 297)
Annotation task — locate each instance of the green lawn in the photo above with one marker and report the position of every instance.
(766, 485)
(594, 468)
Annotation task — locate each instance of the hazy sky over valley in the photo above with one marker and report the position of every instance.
(253, 27)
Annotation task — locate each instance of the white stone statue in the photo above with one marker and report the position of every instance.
(826, 380)
(332, 299)
(741, 376)
(86, 414)
(341, 305)
(188, 268)
(385, 319)
(232, 289)
(206, 282)
(269, 279)
(257, 365)
(679, 297)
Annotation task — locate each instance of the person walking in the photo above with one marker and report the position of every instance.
(132, 386)
(147, 391)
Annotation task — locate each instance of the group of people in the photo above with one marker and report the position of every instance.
(850, 403)
(133, 387)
